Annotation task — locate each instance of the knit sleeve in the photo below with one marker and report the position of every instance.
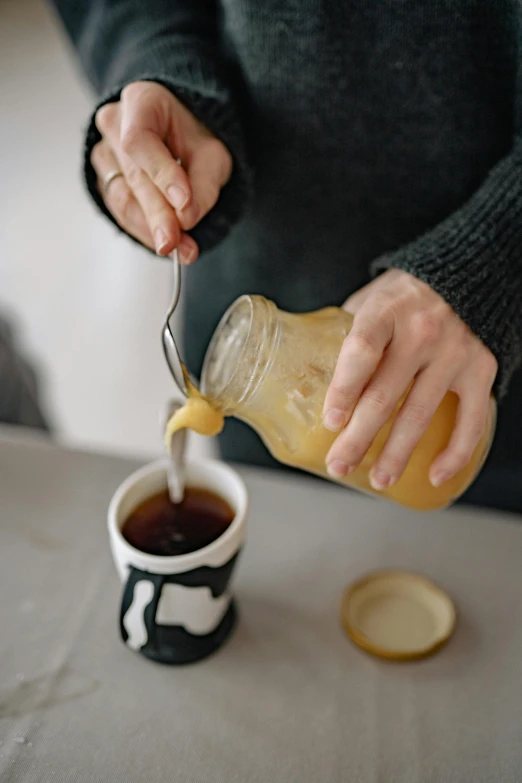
(174, 44)
(473, 259)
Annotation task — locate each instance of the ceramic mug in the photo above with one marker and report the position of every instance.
(178, 609)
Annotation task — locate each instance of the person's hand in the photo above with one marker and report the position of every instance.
(405, 333)
(157, 200)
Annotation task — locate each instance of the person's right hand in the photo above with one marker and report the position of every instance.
(156, 200)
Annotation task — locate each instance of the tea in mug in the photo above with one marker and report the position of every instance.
(159, 527)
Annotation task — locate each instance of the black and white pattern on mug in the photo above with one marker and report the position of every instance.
(178, 618)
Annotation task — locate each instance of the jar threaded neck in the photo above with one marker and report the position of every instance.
(240, 352)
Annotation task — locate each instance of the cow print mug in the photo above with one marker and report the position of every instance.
(178, 609)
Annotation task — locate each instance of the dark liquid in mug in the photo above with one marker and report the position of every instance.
(158, 527)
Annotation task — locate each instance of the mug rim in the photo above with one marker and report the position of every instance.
(160, 466)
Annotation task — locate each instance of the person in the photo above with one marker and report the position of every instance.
(366, 153)
(20, 403)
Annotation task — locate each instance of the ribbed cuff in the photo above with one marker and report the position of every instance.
(474, 261)
(194, 79)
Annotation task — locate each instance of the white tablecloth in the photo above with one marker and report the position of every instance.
(288, 699)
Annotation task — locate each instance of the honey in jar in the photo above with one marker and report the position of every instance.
(272, 369)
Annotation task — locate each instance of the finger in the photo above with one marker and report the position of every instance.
(188, 249)
(161, 219)
(124, 207)
(127, 212)
(159, 214)
(410, 424)
(103, 162)
(107, 117)
(118, 198)
(140, 140)
(472, 415)
(375, 406)
(360, 355)
(209, 169)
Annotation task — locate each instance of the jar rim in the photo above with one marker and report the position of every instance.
(220, 392)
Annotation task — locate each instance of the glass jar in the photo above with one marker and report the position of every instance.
(271, 369)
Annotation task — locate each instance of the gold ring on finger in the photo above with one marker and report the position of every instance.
(111, 176)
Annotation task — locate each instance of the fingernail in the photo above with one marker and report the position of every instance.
(379, 480)
(177, 196)
(187, 253)
(160, 240)
(439, 478)
(334, 419)
(338, 469)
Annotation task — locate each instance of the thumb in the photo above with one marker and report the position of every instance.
(209, 169)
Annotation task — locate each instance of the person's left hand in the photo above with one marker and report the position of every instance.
(405, 333)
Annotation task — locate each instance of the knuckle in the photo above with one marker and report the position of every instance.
(127, 211)
(130, 139)
(160, 177)
(133, 175)
(460, 354)
(427, 327)
(490, 365)
(105, 117)
(97, 155)
(386, 307)
(131, 91)
(394, 464)
(342, 391)
(121, 203)
(384, 301)
(416, 414)
(165, 175)
(378, 398)
(361, 341)
(411, 285)
(351, 452)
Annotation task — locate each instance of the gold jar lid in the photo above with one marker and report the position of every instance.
(398, 615)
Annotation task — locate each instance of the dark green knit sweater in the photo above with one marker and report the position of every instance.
(364, 134)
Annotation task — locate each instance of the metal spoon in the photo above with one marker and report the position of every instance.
(170, 348)
(178, 443)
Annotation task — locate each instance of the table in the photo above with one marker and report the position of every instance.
(289, 699)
